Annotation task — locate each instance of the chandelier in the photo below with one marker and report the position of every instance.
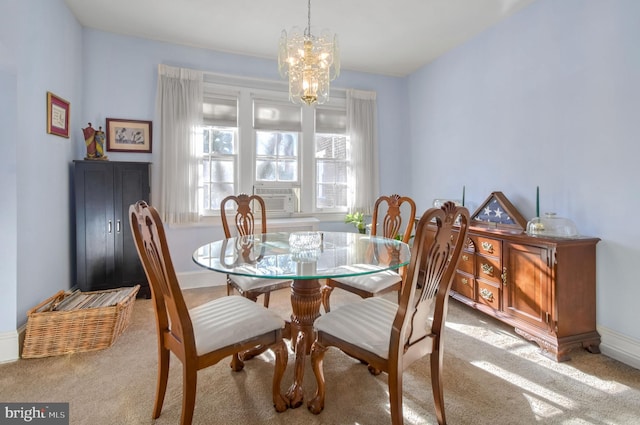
(310, 62)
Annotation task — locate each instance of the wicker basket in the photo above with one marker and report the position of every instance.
(50, 332)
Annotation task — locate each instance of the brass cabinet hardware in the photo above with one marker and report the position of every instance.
(487, 269)
(486, 294)
(465, 257)
(487, 246)
(504, 276)
(464, 281)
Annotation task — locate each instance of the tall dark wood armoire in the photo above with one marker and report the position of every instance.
(106, 254)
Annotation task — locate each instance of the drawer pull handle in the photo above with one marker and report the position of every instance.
(504, 276)
(487, 269)
(465, 257)
(464, 281)
(486, 294)
(487, 246)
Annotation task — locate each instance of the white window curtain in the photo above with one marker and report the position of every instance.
(362, 128)
(179, 109)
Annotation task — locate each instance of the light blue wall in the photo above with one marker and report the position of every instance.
(43, 41)
(549, 98)
(8, 188)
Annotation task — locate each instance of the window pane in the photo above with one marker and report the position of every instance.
(223, 142)
(331, 196)
(324, 146)
(288, 145)
(219, 191)
(266, 143)
(340, 148)
(266, 170)
(222, 171)
(325, 171)
(287, 171)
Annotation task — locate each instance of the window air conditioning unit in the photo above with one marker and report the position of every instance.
(279, 201)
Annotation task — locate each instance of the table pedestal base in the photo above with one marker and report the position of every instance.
(306, 298)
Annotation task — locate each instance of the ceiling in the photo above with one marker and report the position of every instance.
(389, 37)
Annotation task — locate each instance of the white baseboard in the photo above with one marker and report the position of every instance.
(620, 347)
(9, 346)
(189, 280)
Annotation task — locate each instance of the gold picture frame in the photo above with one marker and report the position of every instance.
(58, 113)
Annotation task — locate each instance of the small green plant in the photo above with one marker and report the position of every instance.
(357, 219)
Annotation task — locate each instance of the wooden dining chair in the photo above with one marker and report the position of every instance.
(244, 223)
(388, 209)
(389, 336)
(201, 336)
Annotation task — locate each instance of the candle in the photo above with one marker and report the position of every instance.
(463, 196)
(537, 201)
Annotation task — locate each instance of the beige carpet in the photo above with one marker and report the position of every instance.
(492, 376)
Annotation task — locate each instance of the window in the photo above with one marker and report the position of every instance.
(332, 163)
(254, 137)
(332, 159)
(217, 166)
(277, 126)
(217, 152)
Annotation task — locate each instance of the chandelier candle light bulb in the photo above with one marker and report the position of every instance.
(310, 62)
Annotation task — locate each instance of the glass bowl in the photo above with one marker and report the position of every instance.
(552, 226)
(304, 241)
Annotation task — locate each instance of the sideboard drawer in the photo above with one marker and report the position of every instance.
(487, 246)
(489, 294)
(488, 268)
(466, 263)
(463, 284)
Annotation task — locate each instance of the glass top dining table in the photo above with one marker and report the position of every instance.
(271, 255)
(307, 258)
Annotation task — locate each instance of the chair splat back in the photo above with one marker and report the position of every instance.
(392, 220)
(244, 219)
(171, 310)
(434, 255)
(245, 223)
(387, 221)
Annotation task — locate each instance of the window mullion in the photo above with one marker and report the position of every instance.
(246, 144)
(308, 162)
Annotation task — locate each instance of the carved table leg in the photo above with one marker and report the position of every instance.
(306, 298)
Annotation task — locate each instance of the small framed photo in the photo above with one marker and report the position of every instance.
(128, 135)
(58, 112)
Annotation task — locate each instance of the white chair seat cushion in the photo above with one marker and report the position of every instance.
(247, 283)
(370, 282)
(228, 320)
(366, 323)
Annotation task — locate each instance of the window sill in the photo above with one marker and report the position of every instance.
(295, 220)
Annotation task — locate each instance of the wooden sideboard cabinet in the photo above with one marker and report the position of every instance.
(106, 255)
(544, 287)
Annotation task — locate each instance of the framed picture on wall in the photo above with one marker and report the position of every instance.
(128, 135)
(58, 111)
